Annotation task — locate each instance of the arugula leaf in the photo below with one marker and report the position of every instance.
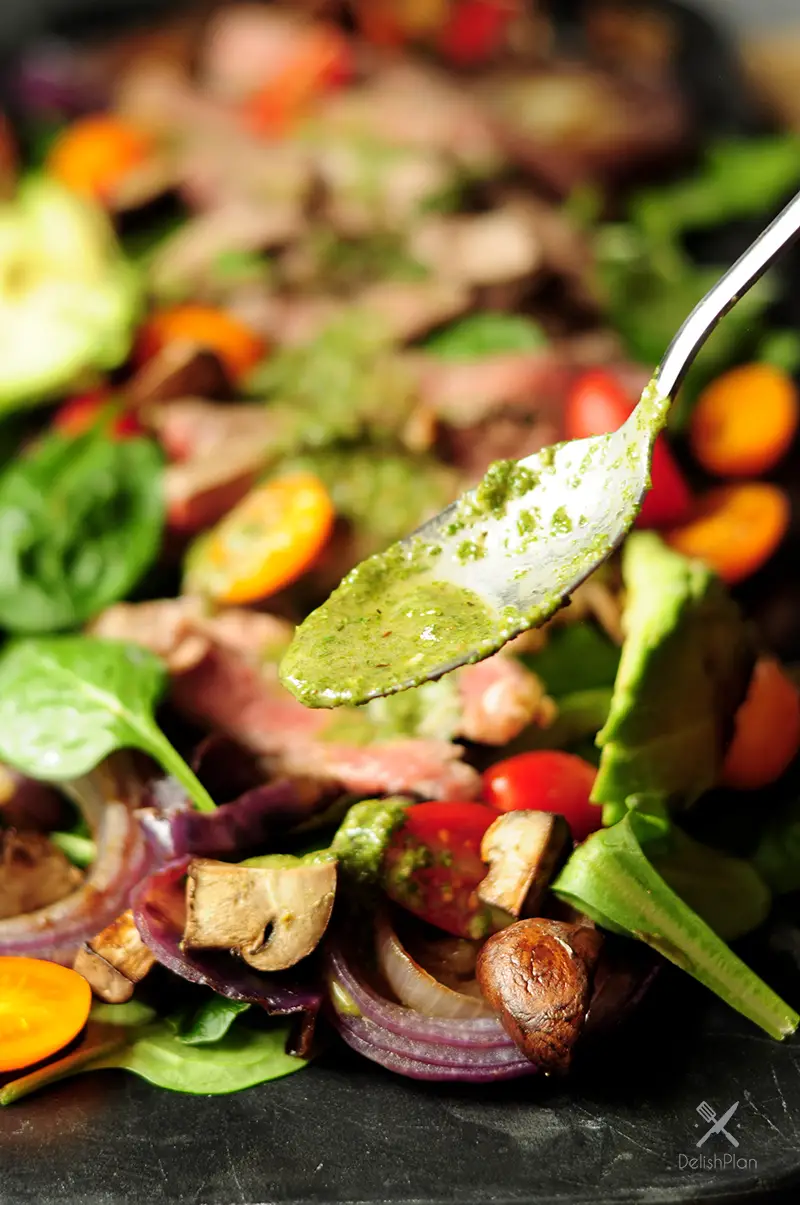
(81, 521)
(610, 879)
(486, 334)
(739, 179)
(650, 288)
(240, 1059)
(684, 670)
(210, 1021)
(66, 702)
(577, 657)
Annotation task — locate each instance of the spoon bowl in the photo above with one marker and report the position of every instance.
(507, 555)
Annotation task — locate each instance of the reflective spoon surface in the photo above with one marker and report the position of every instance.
(507, 554)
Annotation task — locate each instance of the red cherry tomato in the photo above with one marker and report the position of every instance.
(82, 413)
(475, 29)
(597, 404)
(546, 781)
(433, 866)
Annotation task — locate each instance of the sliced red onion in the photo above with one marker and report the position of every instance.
(56, 78)
(477, 1033)
(175, 829)
(56, 931)
(159, 911)
(415, 987)
(477, 1067)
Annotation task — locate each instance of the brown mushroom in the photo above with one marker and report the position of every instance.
(115, 960)
(522, 850)
(537, 974)
(271, 916)
(33, 873)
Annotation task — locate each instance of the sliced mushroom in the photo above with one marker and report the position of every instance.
(271, 916)
(538, 974)
(33, 873)
(523, 850)
(115, 960)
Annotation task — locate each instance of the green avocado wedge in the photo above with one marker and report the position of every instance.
(68, 297)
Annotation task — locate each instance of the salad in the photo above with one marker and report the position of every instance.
(276, 286)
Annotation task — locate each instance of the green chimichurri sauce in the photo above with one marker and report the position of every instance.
(378, 631)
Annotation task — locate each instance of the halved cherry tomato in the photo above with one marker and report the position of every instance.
(82, 413)
(745, 421)
(546, 780)
(767, 735)
(267, 541)
(94, 154)
(237, 346)
(43, 1006)
(433, 866)
(735, 529)
(324, 61)
(475, 29)
(597, 404)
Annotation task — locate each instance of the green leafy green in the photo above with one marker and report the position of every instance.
(66, 702)
(486, 334)
(782, 349)
(777, 855)
(650, 289)
(240, 1058)
(81, 521)
(210, 1021)
(577, 657)
(739, 179)
(684, 670)
(581, 715)
(610, 879)
(345, 265)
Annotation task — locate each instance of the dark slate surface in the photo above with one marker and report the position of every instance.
(345, 1131)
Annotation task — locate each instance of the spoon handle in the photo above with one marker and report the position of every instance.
(749, 267)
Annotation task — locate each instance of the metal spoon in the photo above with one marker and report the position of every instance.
(509, 564)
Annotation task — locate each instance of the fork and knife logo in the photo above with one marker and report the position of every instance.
(717, 1123)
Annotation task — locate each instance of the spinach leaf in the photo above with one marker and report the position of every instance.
(241, 1058)
(66, 702)
(210, 1021)
(610, 878)
(577, 657)
(81, 521)
(486, 334)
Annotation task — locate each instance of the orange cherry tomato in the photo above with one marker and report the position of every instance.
(597, 404)
(94, 154)
(433, 867)
(82, 413)
(767, 734)
(546, 780)
(43, 1006)
(735, 528)
(745, 421)
(273, 536)
(238, 347)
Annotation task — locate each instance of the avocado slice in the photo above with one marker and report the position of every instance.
(68, 298)
(685, 667)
